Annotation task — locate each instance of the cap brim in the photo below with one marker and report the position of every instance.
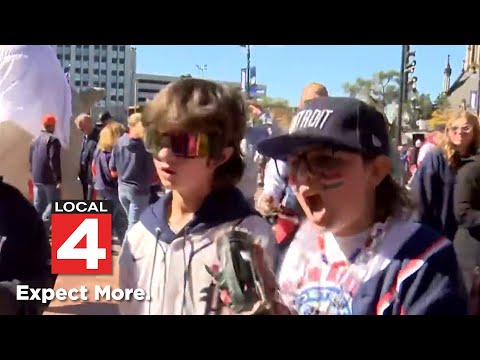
(280, 147)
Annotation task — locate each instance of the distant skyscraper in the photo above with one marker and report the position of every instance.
(111, 67)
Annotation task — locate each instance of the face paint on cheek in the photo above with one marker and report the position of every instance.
(332, 186)
(331, 180)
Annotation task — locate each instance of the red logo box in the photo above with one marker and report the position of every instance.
(82, 237)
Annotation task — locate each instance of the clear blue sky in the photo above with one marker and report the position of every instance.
(285, 69)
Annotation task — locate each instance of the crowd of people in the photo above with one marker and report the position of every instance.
(332, 230)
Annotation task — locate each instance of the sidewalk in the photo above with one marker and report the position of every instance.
(69, 307)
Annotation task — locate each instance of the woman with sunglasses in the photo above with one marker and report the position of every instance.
(193, 129)
(363, 255)
(433, 185)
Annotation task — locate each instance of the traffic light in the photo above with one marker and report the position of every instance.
(409, 64)
(412, 84)
(409, 69)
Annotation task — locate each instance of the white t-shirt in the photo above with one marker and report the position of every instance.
(321, 273)
(274, 183)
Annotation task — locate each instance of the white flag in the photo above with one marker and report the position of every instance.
(32, 84)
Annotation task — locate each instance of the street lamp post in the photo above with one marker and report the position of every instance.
(478, 91)
(202, 69)
(248, 72)
(402, 96)
(247, 85)
(407, 67)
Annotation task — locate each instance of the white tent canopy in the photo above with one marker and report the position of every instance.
(32, 84)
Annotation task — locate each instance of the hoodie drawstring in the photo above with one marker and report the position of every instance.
(157, 243)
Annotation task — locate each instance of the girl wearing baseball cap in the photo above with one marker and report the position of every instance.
(365, 255)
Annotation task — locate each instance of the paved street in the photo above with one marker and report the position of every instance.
(69, 307)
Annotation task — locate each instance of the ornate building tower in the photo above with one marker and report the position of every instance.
(447, 73)
(472, 58)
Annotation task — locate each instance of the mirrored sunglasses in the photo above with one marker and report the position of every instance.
(182, 144)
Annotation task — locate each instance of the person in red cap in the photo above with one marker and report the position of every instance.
(45, 168)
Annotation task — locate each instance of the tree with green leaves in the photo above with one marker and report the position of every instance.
(382, 90)
(441, 102)
(268, 102)
(278, 107)
(186, 76)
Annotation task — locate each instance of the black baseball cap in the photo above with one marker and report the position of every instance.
(105, 116)
(341, 123)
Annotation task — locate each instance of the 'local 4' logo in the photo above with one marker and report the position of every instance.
(82, 237)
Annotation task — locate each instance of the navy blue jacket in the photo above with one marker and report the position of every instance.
(89, 145)
(416, 273)
(433, 189)
(103, 179)
(44, 159)
(423, 278)
(25, 254)
(133, 164)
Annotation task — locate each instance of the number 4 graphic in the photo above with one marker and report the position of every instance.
(91, 253)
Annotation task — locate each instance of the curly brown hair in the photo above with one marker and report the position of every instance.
(197, 105)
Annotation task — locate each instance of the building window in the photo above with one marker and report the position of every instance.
(85, 58)
(95, 71)
(78, 70)
(103, 84)
(104, 72)
(85, 70)
(86, 46)
(97, 47)
(120, 98)
(122, 47)
(104, 47)
(59, 57)
(113, 97)
(67, 49)
(84, 83)
(142, 99)
(120, 86)
(113, 84)
(67, 57)
(77, 83)
(96, 58)
(473, 99)
(121, 73)
(104, 59)
(78, 58)
(114, 60)
(122, 61)
(114, 72)
(114, 47)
